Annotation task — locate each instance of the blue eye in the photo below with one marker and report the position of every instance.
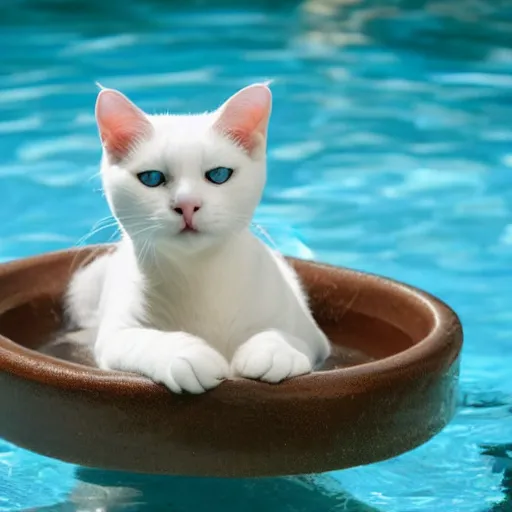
(151, 178)
(219, 175)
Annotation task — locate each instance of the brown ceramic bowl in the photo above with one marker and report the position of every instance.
(346, 415)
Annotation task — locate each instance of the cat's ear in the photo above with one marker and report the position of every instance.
(244, 117)
(121, 123)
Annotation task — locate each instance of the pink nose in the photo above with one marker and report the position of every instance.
(187, 209)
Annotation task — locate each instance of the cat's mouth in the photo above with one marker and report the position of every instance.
(189, 229)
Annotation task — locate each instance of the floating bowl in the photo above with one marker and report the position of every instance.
(348, 414)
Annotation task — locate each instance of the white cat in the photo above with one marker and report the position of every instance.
(190, 297)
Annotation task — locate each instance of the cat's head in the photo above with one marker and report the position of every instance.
(184, 181)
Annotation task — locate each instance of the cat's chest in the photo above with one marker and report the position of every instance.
(208, 305)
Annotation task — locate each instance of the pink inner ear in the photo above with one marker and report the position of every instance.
(244, 117)
(120, 122)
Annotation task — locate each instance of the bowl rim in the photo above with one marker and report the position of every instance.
(437, 351)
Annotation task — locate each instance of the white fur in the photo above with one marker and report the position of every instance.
(191, 309)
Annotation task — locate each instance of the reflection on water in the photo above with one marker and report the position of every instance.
(390, 151)
(102, 491)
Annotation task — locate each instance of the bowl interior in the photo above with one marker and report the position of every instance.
(365, 317)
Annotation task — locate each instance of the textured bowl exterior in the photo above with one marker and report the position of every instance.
(328, 420)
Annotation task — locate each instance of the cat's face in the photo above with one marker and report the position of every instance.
(184, 181)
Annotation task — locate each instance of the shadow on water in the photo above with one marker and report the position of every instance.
(502, 457)
(99, 491)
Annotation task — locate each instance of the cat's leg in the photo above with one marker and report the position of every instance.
(273, 356)
(179, 360)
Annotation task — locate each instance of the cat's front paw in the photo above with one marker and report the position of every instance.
(269, 357)
(193, 368)
(180, 361)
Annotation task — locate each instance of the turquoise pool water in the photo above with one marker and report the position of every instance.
(390, 151)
